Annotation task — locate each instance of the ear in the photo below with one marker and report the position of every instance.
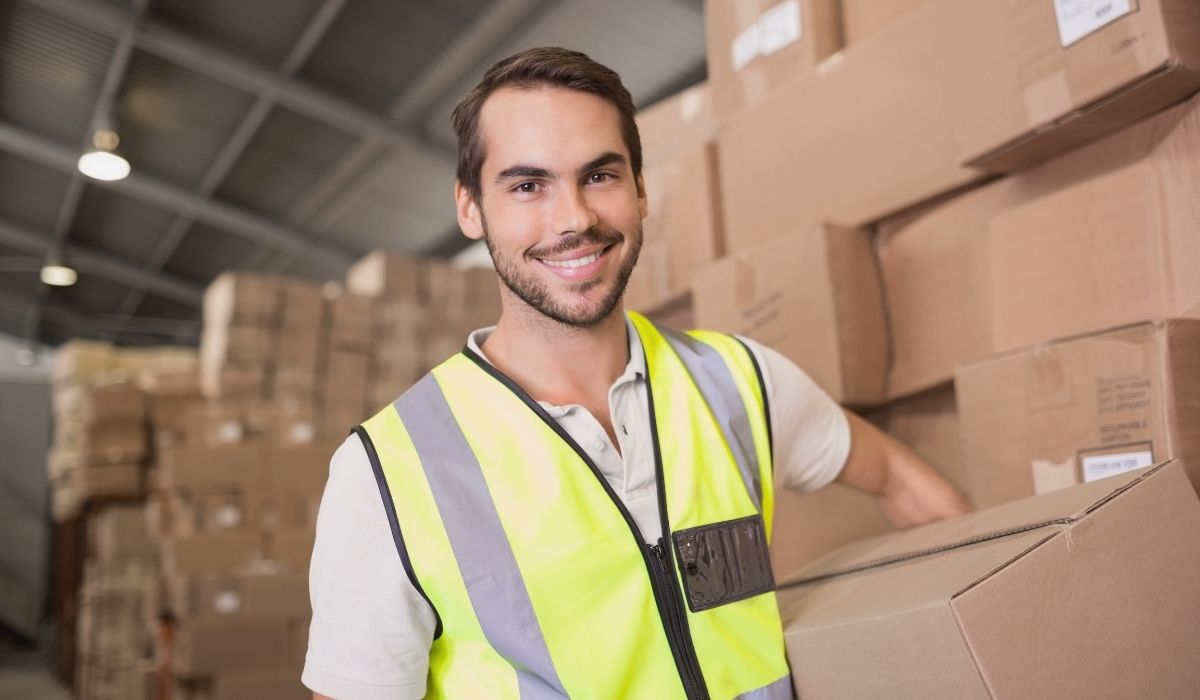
(643, 200)
(470, 218)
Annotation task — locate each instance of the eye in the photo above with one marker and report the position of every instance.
(600, 178)
(526, 187)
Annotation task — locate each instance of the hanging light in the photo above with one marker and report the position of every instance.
(56, 274)
(102, 162)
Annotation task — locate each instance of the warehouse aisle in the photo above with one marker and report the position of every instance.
(26, 676)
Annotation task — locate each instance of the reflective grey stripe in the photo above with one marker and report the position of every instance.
(715, 381)
(484, 556)
(779, 690)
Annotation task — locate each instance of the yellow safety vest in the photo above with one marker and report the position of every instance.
(540, 581)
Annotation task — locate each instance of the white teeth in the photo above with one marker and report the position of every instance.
(577, 262)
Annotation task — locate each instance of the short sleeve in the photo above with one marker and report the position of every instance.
(810, 430)
(371, 630)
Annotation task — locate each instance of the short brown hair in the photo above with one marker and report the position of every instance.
(533, 68)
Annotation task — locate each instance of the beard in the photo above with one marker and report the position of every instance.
(536, 293)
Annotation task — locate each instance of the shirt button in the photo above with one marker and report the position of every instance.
(599, 446)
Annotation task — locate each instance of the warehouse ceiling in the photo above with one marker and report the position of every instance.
(276, 135)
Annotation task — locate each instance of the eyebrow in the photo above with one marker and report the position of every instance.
(532, 171)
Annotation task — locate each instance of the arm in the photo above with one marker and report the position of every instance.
(910, 491)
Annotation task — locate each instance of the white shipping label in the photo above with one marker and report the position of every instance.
(779, 26)
(1100, 466)
(745, 47)
(226, 602)
(1078, 18)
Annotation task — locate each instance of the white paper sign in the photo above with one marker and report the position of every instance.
(745, 47)
(1101, 466)
(779, 26)
(1078, 18)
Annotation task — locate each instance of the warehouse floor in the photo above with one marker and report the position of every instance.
(26, 676)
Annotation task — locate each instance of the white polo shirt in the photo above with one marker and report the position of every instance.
(371, 631)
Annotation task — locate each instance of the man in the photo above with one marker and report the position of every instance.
(578, 503)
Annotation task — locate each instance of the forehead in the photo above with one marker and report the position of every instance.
(549, 127)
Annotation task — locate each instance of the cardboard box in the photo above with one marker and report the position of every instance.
(929, 423)
(291, 548)
(346, 378)
(1076, 410)
(1107, 238)
(471, 294)
(170, 385)
(384, 274)
(210, 553)
(1031, 614)
(239, 345)
(678, 313)
(864, 18)
(104, 443)
(303, 467)
(82, 361)
(119, 533)
(298, 349)
(682, 232)
(110, 402)
(295, 422)
(277, 684)
(398, 319)
(350, 322)
(1035, 78)
(300, 305)
(756, 45)
(673, 126)
(185, 467)
(205, 646)
(114, 480)
(813, 296)
(227, 507)
(934, 265)
(274, 594)
(242, 298)
(869, 134)
(238, 381)
(810, 525)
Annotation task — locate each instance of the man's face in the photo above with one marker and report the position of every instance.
(561, 211)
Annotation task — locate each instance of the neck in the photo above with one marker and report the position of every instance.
(558, 363)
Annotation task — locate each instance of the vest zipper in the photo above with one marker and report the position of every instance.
(656, 558)
(673, 619)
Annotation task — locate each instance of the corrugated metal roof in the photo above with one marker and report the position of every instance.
(31, 193)
(173, 121)
(262, 30)
(124, 226)
(287, 157)
(50, 71)
(207, 251)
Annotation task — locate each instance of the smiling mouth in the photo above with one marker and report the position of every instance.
(578, 262)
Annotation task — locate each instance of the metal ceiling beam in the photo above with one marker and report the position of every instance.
(217, 171)
(330, 197)
(77, 322)
(151, 190)
(164, 42)
(103, 264)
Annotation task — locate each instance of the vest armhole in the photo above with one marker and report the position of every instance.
(762, 387)
(389, 506)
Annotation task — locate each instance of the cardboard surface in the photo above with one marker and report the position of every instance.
(385, 274)
(863, 18)
(754, 46)
(1108, 236)
(1058, 414)
(199, 466)
(869, 134)
(214, 645)
(210, 553)
(682, 232)
(935, 264)
(1025, 615)
(675, 125)
(928, 423)
(1023, 95)
(813, 296)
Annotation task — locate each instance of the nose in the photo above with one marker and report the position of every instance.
(572, 212)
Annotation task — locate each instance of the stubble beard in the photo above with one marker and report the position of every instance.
(537, 295)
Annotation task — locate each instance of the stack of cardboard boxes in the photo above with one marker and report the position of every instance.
(118, 603)
(974, 224)
(911, 187)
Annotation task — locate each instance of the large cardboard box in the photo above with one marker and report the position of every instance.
(119, 533)
(104, 443)
(671, 127)
(682, 232)
(1033, 78)
(82, 361)
(211, 595)
(384, 274)
(205, 646)
(810, 525)
(350, 322)
(815, 297)
(97, 480)
(1107, 238)
(210, 553)
(935, 268)
(242, 298)
(756, 45)
(257, 684)
(1081, 409)
(1083, 593)
(869, 134)
(184, 467)
(863, 18)
(110, 402)
(471, 293)
(300, 304)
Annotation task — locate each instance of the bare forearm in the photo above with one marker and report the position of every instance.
(911, 492)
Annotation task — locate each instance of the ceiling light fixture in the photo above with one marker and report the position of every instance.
(102, 162)
(55, 274)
